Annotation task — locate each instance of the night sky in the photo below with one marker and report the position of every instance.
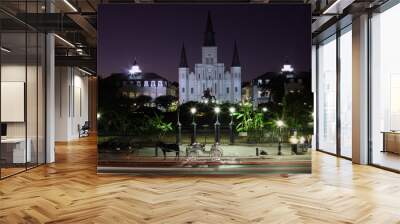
(266, 35)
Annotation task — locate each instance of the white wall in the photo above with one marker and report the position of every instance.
(71, 102)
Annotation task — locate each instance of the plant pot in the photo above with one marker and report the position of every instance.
(243, 134)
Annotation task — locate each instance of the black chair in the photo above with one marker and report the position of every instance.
(84, 130)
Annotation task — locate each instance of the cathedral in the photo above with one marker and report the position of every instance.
(210, 78)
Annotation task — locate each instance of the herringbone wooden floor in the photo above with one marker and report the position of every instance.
(70, 191)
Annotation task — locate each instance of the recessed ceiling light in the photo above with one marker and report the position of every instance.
(64, 40)
(5, 50)
(70, 5)
(84, 71)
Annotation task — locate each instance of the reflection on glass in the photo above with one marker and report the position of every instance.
(385, 87)
(327, 96)
(346, 94)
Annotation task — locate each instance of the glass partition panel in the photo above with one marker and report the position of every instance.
(14, 153)
(22, 89)
(346, 93)
(327, 95)
(31, 97)
(41, 79)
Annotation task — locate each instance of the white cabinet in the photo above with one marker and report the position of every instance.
(19, 155)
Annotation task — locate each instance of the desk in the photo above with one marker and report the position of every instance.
(15, 148)
(391, 141)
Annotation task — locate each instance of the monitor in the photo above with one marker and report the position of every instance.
(3, 129)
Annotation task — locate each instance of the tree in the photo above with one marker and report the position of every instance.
(297, 111)
(160, 126)
(142, 100)
(165, 102)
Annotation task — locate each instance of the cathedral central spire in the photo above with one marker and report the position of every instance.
(235, 59)
(183, 63)
(209, 35)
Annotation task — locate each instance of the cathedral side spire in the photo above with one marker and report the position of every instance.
(235, 59)
(183, 63)
(209, 35)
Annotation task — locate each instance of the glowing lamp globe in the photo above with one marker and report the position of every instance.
(134, 70)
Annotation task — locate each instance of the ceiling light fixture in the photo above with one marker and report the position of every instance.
(84, 71)
(337, 7)
(5, 50)
(64, 40)
(70, 5)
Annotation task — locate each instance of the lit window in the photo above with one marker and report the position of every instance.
(146, 83)
(160, 83)
(153, 83)
(260, 81)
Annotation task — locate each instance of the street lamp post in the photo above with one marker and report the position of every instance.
(217, 125)
(178, 123)
(232, 136)
(280, 124)
(193, 111)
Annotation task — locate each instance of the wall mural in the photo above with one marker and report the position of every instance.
(204, 89)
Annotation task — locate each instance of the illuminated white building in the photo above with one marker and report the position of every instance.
(137, 83)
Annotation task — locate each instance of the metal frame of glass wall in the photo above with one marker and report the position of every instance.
(334, 36)
(23, 61)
